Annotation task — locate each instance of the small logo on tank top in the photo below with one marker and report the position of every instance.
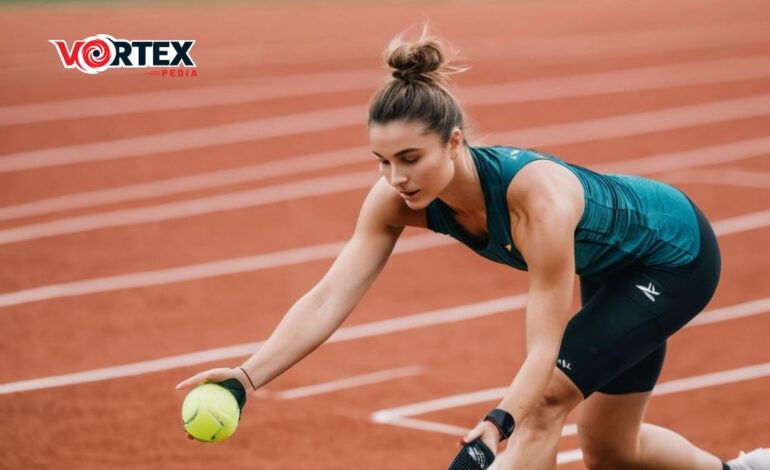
(649, 291)
(508, 247)
(564, 364)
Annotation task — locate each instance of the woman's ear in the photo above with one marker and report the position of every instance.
(455, 141)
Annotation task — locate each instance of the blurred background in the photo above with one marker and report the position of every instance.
(153, 225)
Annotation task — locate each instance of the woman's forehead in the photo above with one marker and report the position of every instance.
(399, 133)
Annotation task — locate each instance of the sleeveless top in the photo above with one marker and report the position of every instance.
(626, 219)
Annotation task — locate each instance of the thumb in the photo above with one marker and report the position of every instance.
(472, 435)
(211, 375)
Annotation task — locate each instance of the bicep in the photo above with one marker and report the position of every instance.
(365, 254)
(547, 215)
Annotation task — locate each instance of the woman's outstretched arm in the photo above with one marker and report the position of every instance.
(318, 313)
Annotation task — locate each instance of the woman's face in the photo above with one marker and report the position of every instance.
(416, 163)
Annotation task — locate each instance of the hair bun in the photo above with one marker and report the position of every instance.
(422, 60)
(416, 61)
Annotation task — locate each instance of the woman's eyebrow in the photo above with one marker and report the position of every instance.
(399, 153)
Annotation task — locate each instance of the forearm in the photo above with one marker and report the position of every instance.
(307, 324)
(547, 316)
(530, 383)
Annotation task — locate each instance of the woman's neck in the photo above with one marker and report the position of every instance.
(464, 194)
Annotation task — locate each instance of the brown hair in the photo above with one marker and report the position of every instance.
(418, 91)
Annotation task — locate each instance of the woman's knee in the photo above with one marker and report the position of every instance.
(559, 399)
(604, 453)
(607, 460)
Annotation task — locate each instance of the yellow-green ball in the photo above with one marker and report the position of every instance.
(210, 413)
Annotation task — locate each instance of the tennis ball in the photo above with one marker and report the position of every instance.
(210, 413)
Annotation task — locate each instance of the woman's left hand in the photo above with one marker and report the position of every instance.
(488, 433)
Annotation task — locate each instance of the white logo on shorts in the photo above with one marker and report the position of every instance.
(649, 291)
(564, 364)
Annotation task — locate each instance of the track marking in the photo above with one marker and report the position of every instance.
(728, 313)
(741, 223)
(192, 207)
(602, 83)
(643, 123)
(618, 126)
(206, 270)
(573, 45)
(569, 46)
(383, 327)
(191, 98)
(720, 153)
(344, 384)
(404, 416)
(328, 119)
(366, 330)
(723, 177)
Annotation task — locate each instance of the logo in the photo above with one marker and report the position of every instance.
(508, 247)
(477, 456)
(648, 291)
(95, 54)
(564, 364)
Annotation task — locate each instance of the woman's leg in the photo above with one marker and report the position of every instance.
(534, 443)
(612, 436)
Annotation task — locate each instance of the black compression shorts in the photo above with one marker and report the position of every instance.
(617, 341)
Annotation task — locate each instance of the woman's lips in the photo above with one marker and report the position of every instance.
(409, 194)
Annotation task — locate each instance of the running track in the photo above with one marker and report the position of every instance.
(150, 228)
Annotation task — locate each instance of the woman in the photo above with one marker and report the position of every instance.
(647, 258)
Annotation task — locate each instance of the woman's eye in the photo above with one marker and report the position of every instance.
(383, 162)
(410, 160)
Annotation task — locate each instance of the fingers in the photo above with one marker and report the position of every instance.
(211, 375)
(472, 435)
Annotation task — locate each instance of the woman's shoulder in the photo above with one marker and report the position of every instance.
(386, 204)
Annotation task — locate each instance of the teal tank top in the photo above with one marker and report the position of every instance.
(626, 219)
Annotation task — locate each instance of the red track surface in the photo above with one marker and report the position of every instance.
(133, 422)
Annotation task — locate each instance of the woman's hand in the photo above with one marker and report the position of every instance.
(215, 375)
(219, 376)
(488, 433)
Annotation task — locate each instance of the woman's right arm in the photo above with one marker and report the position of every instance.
(318, 313)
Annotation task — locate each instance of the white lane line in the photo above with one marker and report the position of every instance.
(621, 81)
(403, 416)
(722, 177)
(549, 47)
(618, 126)
(731, 312)
(215, 179)
(636, 79)
(543, 48)
(206, 270)
(644, 123)
(741, 223)
(193, 207)
(245, 131)
(405, 323)
(720, 153)
(344, 384)
(295, 124)
(383, 327)
(191, 98)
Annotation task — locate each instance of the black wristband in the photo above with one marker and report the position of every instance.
(235, 387)
(503, 421)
